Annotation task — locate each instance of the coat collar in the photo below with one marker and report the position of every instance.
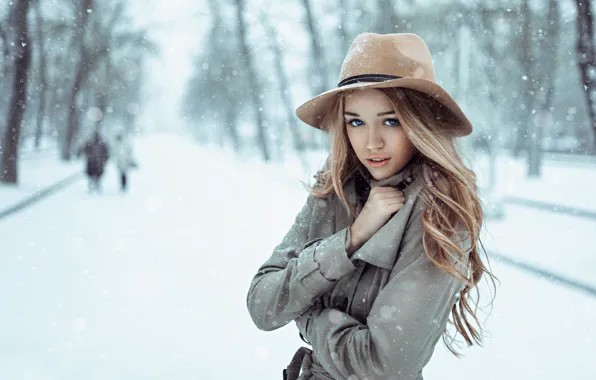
(402, 178)
(382, 248)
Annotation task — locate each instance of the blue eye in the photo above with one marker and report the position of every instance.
(355, 122)
(392, 122)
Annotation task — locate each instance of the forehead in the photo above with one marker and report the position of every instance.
(369, 99)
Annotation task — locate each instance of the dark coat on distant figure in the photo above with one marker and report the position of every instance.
(97, 153)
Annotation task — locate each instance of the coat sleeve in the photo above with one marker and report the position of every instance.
(292, 279)
(403, 326)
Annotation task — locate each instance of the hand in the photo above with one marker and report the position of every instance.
(382, 204)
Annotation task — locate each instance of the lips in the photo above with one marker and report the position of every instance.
(377, 159)
(376, 162)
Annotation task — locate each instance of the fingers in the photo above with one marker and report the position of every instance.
(385, 200)
(396, 201)
(388, 196)
(383, 189)
(383, 206)
(376, 191)
(395, 205)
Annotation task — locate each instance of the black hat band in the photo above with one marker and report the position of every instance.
(367, 78)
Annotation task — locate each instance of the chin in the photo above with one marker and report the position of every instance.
(380, 175)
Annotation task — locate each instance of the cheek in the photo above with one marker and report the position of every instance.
(409, 147)
(402, 144)
(355, 141)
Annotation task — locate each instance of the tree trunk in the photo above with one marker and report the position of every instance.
(543, 118)
(227, 118)
(42, 75)
(586, 59)
(343, 31)
(72, 125)
(521, 141)
(101, 97)
(246, 61)
(18, 100)
(494, 75)
(318, 77)
(318, 74)
(284, 91)
(5, 52)
(73, 117)
(232, 131)
(5, 83)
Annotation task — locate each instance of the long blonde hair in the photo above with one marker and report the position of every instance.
(453, 213)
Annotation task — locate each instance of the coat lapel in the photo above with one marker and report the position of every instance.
(382, 248)
(342, 216)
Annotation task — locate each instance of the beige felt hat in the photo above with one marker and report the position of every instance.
(385, 60)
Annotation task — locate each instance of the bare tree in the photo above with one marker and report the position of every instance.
(57, 32)
(343, 30)
(318, 73)
(72, 126)
(547, 46)
(219, 84)
(586, 58)
(284, 89)
(246, 61)
(4, 41)
(525, 54)
(108, 55)
(18, 101)
(5, 73)
(42, 68)
(318, 77)
(114, 60)
(5, 51)
(217, 34)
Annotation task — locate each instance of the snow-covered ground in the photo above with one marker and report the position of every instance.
(152, 284)
(37, 171)
(564, 183)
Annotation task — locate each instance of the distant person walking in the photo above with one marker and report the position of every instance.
(124, 160)
(97, 153)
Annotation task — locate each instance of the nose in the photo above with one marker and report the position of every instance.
(375, 140)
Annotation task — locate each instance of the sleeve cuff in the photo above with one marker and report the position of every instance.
(332, 257)
(323, 262)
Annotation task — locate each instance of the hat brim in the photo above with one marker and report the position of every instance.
(313, 111)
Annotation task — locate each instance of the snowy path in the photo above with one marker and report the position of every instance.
(152, 284)
(37, 171)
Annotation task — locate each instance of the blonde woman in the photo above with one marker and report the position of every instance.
(385, 252)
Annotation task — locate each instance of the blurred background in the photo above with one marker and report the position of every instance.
(150, 160)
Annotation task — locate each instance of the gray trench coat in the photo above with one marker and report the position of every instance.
(375, 315)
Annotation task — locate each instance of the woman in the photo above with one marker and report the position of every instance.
(385, 248)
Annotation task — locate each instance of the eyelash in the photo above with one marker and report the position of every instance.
(397, 123)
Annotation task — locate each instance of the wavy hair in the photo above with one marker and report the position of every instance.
(453, 216)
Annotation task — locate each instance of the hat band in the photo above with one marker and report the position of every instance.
(367, 78)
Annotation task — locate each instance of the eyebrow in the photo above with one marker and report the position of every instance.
(379, 114)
